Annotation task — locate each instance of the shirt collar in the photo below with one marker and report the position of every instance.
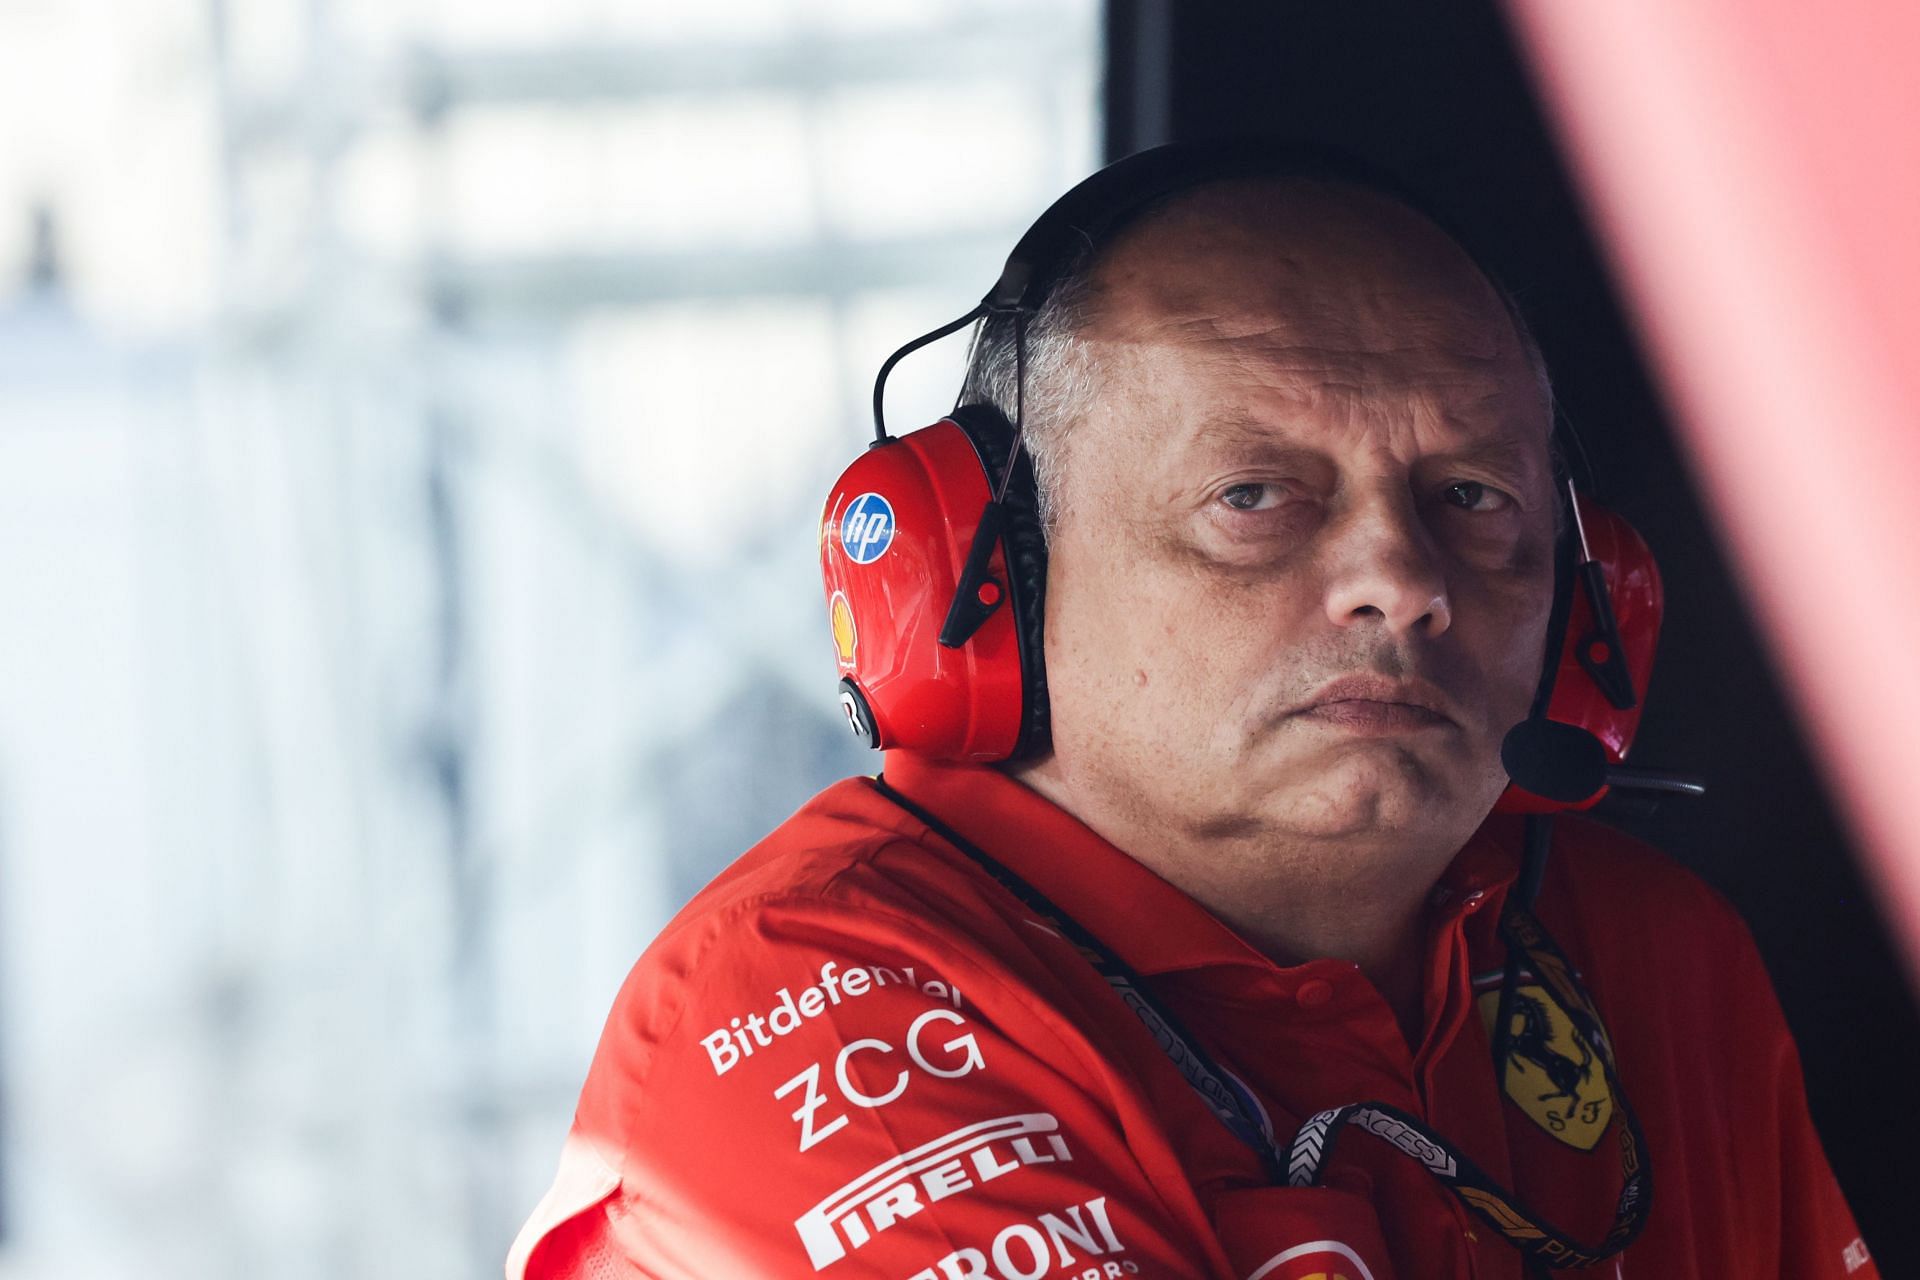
(1154, 926)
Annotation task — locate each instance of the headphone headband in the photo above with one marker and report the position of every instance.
(1100, 206)
(1093, 212)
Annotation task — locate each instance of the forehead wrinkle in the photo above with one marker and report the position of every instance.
(1325, 354)
(1246, 435)
(1356, 390)
(1339, 358)
(1310, 423)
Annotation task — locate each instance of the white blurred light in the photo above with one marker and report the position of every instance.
(383, 489)
(504, 22)
(115, 137)
(908, 158)
(694, 415)
(671, 175)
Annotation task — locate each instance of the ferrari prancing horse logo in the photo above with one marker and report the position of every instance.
(1553, 1074)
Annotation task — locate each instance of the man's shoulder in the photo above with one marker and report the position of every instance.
(843, 892)
(848, 856)
(1627, 898)
(850, 1024)
(1610, 869)
(834, 832)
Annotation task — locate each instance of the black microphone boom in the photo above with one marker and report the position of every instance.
(1564, 762)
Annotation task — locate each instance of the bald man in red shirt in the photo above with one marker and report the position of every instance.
(1109, 1011)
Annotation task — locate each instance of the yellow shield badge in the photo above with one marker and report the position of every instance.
(1553, 1074)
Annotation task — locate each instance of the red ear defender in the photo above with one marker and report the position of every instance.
(893, 541)
(1594, 688)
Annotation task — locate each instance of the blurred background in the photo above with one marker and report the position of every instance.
(413, 420)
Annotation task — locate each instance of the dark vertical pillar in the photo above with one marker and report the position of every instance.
(1137, 102)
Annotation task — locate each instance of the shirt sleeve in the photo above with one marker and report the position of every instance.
(1763, 1175)
(1816, 1230)
(802, 1088)
(1741, 1185)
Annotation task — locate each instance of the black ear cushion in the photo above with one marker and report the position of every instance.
(1025, 544)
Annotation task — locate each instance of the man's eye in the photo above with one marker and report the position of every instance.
(1471, 495)
(1249, 497)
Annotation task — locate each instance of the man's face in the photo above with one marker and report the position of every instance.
(1317, 453)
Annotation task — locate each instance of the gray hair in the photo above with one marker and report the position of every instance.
(1059, 378)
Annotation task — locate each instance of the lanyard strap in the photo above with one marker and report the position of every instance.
(1303, 1164)
(1495, 1205)
(1224, 1098)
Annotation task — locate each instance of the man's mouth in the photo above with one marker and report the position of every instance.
(1377, 704)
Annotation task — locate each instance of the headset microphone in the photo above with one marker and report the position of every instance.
(1565, 763)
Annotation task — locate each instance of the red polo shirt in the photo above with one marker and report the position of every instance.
(855, 1054)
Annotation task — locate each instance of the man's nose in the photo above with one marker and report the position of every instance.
(1383, 564)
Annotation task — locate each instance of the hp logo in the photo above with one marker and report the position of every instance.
(866, 530)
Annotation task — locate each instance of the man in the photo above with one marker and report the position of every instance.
(1293, 453)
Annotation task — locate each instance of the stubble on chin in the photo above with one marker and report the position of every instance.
(1284, 785)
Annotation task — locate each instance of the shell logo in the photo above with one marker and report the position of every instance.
(846, 640)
